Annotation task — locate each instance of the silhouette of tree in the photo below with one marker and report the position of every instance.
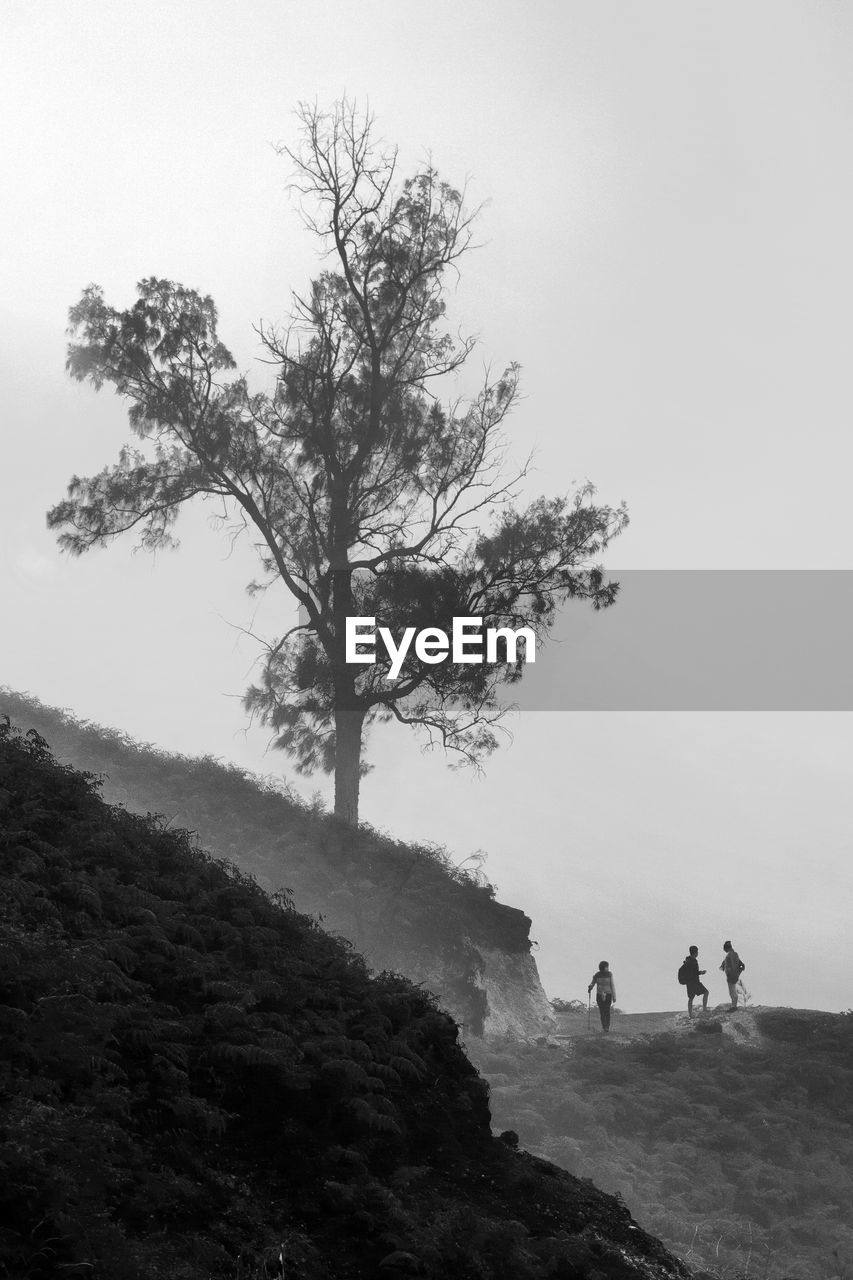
(367, 496)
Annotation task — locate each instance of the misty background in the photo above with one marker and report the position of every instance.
(664, 248)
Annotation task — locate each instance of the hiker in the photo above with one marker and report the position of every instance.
(732, 967)
(690, 973)
(605, 995)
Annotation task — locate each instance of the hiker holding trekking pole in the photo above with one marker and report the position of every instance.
(605, 995)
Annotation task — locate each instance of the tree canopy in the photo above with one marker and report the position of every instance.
(370, 487)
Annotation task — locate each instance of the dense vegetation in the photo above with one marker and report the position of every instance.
(736, 1155)
(196, 1081)
(404, 907)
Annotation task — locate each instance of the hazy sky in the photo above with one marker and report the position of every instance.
(665, 248)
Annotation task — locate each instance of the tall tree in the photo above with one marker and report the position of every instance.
(366, 494)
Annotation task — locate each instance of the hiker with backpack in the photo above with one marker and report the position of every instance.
(605, 995)
(732, 967)
(689, 976)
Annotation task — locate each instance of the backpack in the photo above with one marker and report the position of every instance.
(682, 974)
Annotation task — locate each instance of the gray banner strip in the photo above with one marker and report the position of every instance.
(702, 640)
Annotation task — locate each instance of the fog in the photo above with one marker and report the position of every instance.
(664, 246)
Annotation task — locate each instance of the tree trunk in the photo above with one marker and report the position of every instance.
(349, 716)
(348, 724)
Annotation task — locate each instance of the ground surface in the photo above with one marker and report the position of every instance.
(632, 1026)
(728, 1136)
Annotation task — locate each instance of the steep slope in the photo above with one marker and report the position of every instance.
(729, 1137)
(407, 908)
(196, 1082)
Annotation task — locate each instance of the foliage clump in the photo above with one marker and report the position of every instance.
(735, 1154)
(198, 1082)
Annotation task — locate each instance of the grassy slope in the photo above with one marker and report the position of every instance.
(736, 1154)
(405, 907)
(194, 1076)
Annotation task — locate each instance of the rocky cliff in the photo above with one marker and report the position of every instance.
(406, 908)
(515, 999)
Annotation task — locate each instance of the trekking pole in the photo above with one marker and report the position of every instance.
(588, 1010)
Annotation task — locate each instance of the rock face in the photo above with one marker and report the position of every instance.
(472, 952)
(504, 997)
(408, 909)
(516, 1003)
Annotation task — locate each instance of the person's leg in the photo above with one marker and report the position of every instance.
(690, 1006)
(599, 1000)
(704, 993)
(605, 1012)
(733, 994)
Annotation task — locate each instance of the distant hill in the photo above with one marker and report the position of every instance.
(198, 1083)
(730, 1137)
(405, 907)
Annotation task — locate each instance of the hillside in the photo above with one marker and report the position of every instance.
(406, 908)
(198, 1083)
(728, 1137)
